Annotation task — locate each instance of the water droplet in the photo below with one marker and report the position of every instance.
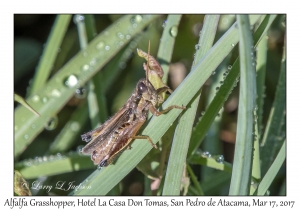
(85, 67)
(76, 166)
(221, 82)
(80, 93)
(229, 67)
(107, 47)
(74, 126)
(33, 126)
(218, 114)
(71, 81)
(206, 154)
(100, 45)
(164, 23)
(44, 99)
(213, 73)
(220, 159)
(122, 65)
(120, 35)
(197, 47)
(28, 163)
(35, 98)
(128, 36)
(51, 123)
(174, 31)
(121, 43)
(45, 158)
(59, 156)
(55, 93)
(202, 113)
(217, 88)
(78, 18)
(232, 45)
(138, 18)
(26, 136)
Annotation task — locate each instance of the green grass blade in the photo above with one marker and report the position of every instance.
(91, 96)
(194, 180)
(179, 149)
(167, 41)
(100, 113)
(25, 104)
(261, 76)
(50, 52)
(70, 132)
(273, 135)
(211, 162)
(105, 179)
(212, 141)
(260, 86)
(53, 164)
(242, 165)
(60, 88)
(272, 171)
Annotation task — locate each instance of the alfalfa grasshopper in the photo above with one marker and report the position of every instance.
(106, 141)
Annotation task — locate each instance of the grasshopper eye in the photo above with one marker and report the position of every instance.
(142, 88)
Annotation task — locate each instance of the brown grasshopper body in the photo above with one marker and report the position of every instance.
(116, 133)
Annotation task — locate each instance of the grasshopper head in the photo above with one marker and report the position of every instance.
(147, 91)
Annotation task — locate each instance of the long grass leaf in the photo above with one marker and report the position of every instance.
(179, 149)
(272, 171)
(50, 52)
(242, 165)
(273, 136)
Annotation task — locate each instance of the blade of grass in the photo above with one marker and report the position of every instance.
(96, 86)
(53, 43)
(194, 180)
(70, 132)
(91, 96)
(230, 82)
(53, 164)
(272, 171)
(272, 137)
(25, 104)
(166, 46)
(105, 179)
(179, 149)
(243, 153)
(212, 141)
(260, 85)
(211, 162)
(60, 88)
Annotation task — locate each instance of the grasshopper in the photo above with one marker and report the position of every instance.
(106, 141)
